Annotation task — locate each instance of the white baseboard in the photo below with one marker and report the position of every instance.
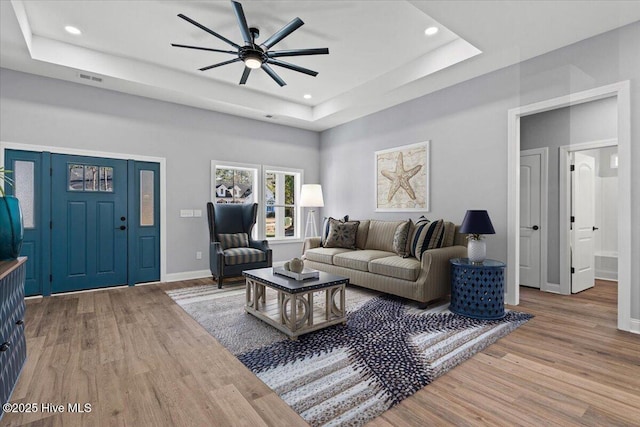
(187, 275)
(606, 275)
(634, 326)
(200, 274)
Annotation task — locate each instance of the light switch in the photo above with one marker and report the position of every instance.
(186, 213)
(197, 213)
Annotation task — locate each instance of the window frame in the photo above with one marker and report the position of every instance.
(258, 230)
(299, 174)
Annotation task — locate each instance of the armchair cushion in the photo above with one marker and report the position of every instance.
(235, 256)
(235, 240)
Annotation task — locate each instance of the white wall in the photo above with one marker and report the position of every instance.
(606, 197)
(467, 125)
(606, 219)
(42, 111)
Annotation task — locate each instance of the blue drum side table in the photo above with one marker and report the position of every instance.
(477, 290)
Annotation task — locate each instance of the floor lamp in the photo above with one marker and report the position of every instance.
(311, 197)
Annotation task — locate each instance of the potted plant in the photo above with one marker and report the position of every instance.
(11, 226)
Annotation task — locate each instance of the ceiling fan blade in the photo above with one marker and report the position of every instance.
(292, 67)
(213, 33)
(245, 75)
(283, 32)
(203, 48)
(298, 52)
(219, 64)
(273, 74)
(242, 22)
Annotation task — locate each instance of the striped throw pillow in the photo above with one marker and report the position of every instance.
(236, 240)
(449, 234)
(426, 235)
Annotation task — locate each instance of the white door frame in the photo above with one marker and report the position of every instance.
(544, 212)
(565, 206)
(4, 145)
(621, 91)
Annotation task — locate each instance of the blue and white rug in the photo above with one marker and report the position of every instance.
(348, 374)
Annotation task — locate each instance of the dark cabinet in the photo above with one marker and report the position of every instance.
(13, 345)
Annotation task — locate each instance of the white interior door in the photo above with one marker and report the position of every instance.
(583, 211)
(530, 216)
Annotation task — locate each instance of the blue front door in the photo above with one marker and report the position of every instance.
(31, 176)
(144, 215)
(89, 223)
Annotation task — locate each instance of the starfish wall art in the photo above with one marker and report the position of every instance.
(402, 178)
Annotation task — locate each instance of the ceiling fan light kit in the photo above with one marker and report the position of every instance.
(256, 56)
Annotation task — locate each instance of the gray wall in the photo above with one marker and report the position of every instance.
(591, 121)
(467, 125)
(42, 111)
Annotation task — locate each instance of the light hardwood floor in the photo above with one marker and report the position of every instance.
(139, 360)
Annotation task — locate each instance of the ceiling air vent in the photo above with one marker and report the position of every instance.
(90, 78)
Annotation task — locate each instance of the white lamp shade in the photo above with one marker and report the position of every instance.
(311, 196)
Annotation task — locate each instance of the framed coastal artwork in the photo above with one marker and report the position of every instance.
(402, 178)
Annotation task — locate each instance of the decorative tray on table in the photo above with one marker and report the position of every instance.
(307, 273)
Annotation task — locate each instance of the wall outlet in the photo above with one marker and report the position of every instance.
(186, 213)
(197, 213)
(198, 255)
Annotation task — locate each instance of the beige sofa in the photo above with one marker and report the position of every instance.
(375, 265)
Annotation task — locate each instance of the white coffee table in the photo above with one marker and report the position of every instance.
(295, 310)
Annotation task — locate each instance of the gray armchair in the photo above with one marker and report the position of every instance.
(231, 248)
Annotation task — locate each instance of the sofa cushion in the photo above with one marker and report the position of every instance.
(236, 240)
(397, 267)
(358, 260)
(342, 234)
(235, 256)
(449, 234)
(363, 232)
(426, 235)
(401, 239)
(324, 231)
(323, 255)
(381, 235)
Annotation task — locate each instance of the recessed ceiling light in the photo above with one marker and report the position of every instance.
(72, 30)
(307, 96)
(431, 31)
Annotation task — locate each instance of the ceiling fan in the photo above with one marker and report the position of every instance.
(254, 55)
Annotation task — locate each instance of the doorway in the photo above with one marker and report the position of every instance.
(621, 92)
(90, 222)
(534, 196)
(589, 214)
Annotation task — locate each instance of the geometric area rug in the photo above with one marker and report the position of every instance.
(346, 375)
